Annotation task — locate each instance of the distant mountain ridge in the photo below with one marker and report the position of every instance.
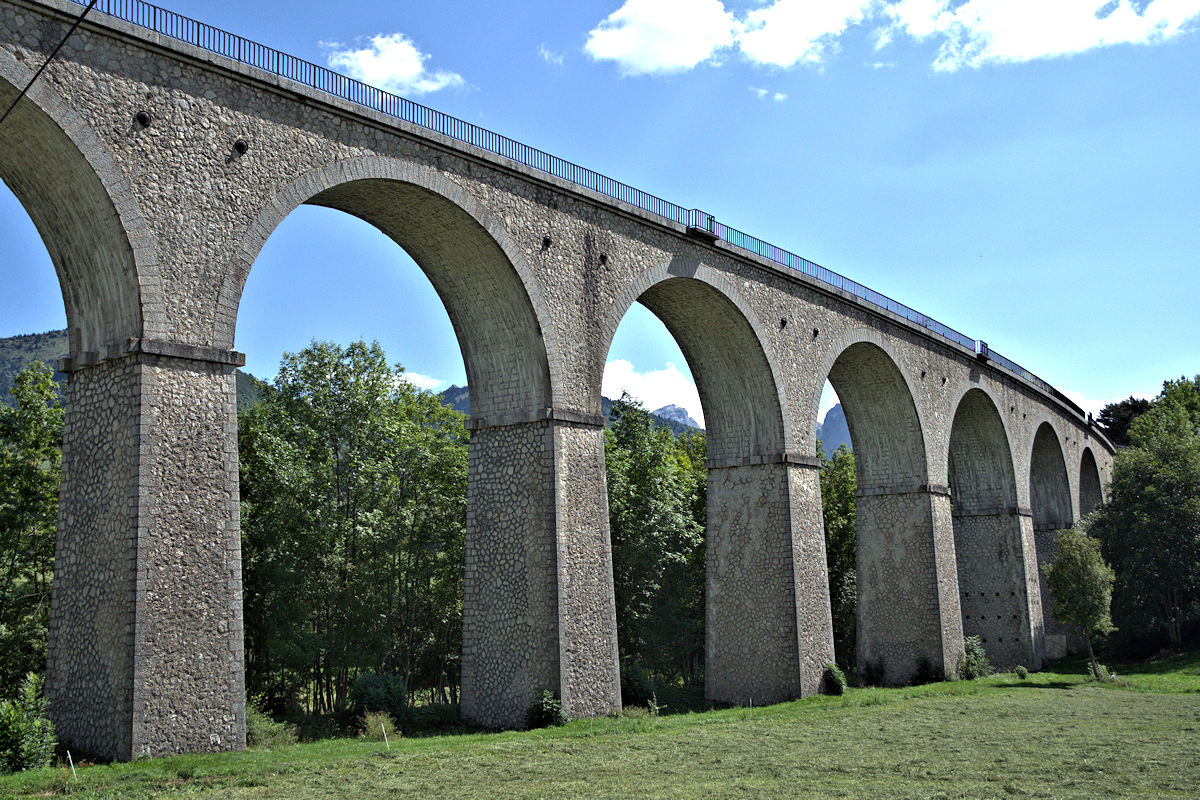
(459, 398)
(833, 431)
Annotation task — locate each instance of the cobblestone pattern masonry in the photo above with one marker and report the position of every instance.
(751, 643)
(510, 597)
(186, 216)
(188, 682)
(999, 594)
(90, 666)
(590, 684)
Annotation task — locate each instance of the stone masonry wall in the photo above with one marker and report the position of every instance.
(590, 682)
(810, 577)
(188, 682)
(147, 615)
(993, 587)
(510, 596)
(751, 644)
(89, 676)
(187, 219)
(902, 575)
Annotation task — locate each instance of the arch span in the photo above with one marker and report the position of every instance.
(765, 560)
(993, 537)
(480, 275)
(66, 180)
(1091, 494)
(70, 184)
(532, 617)
(1050, 499)
(906, 578)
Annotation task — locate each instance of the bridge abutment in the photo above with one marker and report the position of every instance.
(146, 622)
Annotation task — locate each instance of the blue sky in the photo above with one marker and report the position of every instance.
(1025, 171)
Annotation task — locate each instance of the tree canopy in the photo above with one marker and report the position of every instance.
(1081, 585)
(353, 514)
(1150, 529)
(838, 483)
(30, 467)
(656, 501)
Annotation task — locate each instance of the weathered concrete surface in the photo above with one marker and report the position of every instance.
(154, 229)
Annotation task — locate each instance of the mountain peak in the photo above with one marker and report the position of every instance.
(676, 413)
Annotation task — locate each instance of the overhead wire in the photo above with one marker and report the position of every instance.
(46, 63)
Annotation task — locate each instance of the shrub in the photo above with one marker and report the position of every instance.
(1022, 673)
(546, 712)
(637, 685)
(262, 731)
(973, 663)
(374, 692)
(834, 680)
(927, 673)
(26, 735)
(375, 723)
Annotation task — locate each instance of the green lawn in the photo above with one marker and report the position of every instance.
(1052, 735)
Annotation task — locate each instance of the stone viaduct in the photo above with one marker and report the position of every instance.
(156, 155)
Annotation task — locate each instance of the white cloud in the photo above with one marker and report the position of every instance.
(1093, 406)
(829, 399)
(662, 36)
(655, 389)
(391, 62)
(426, 382)
(779, 97)
(788, 32)
(980, 32)
(549, 56)
(665, 36)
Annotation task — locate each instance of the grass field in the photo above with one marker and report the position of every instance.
(1054, 735)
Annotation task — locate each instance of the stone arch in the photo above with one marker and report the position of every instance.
(71, 185)
(1049, 485)
(906, 577)
(499, 316)
(717, 331)
(1091, 495)
(885, 421)
(759, 590)
(533, 618)
(1050, 501)
(993, 540)
(82, 206)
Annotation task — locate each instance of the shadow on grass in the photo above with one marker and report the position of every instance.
(1186, 662)
(1046, 685)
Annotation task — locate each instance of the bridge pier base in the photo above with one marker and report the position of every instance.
(998, 581)
(145, 648)
(907, 582)
(538, 605)
(768, 630)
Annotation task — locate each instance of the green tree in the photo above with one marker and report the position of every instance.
(30, 468)
(655, 496)
(838, 483)
(354, 504)
(1150, 529)
(1081, 585)
(1115, 418)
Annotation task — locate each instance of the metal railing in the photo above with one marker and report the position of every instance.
(253, 54)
